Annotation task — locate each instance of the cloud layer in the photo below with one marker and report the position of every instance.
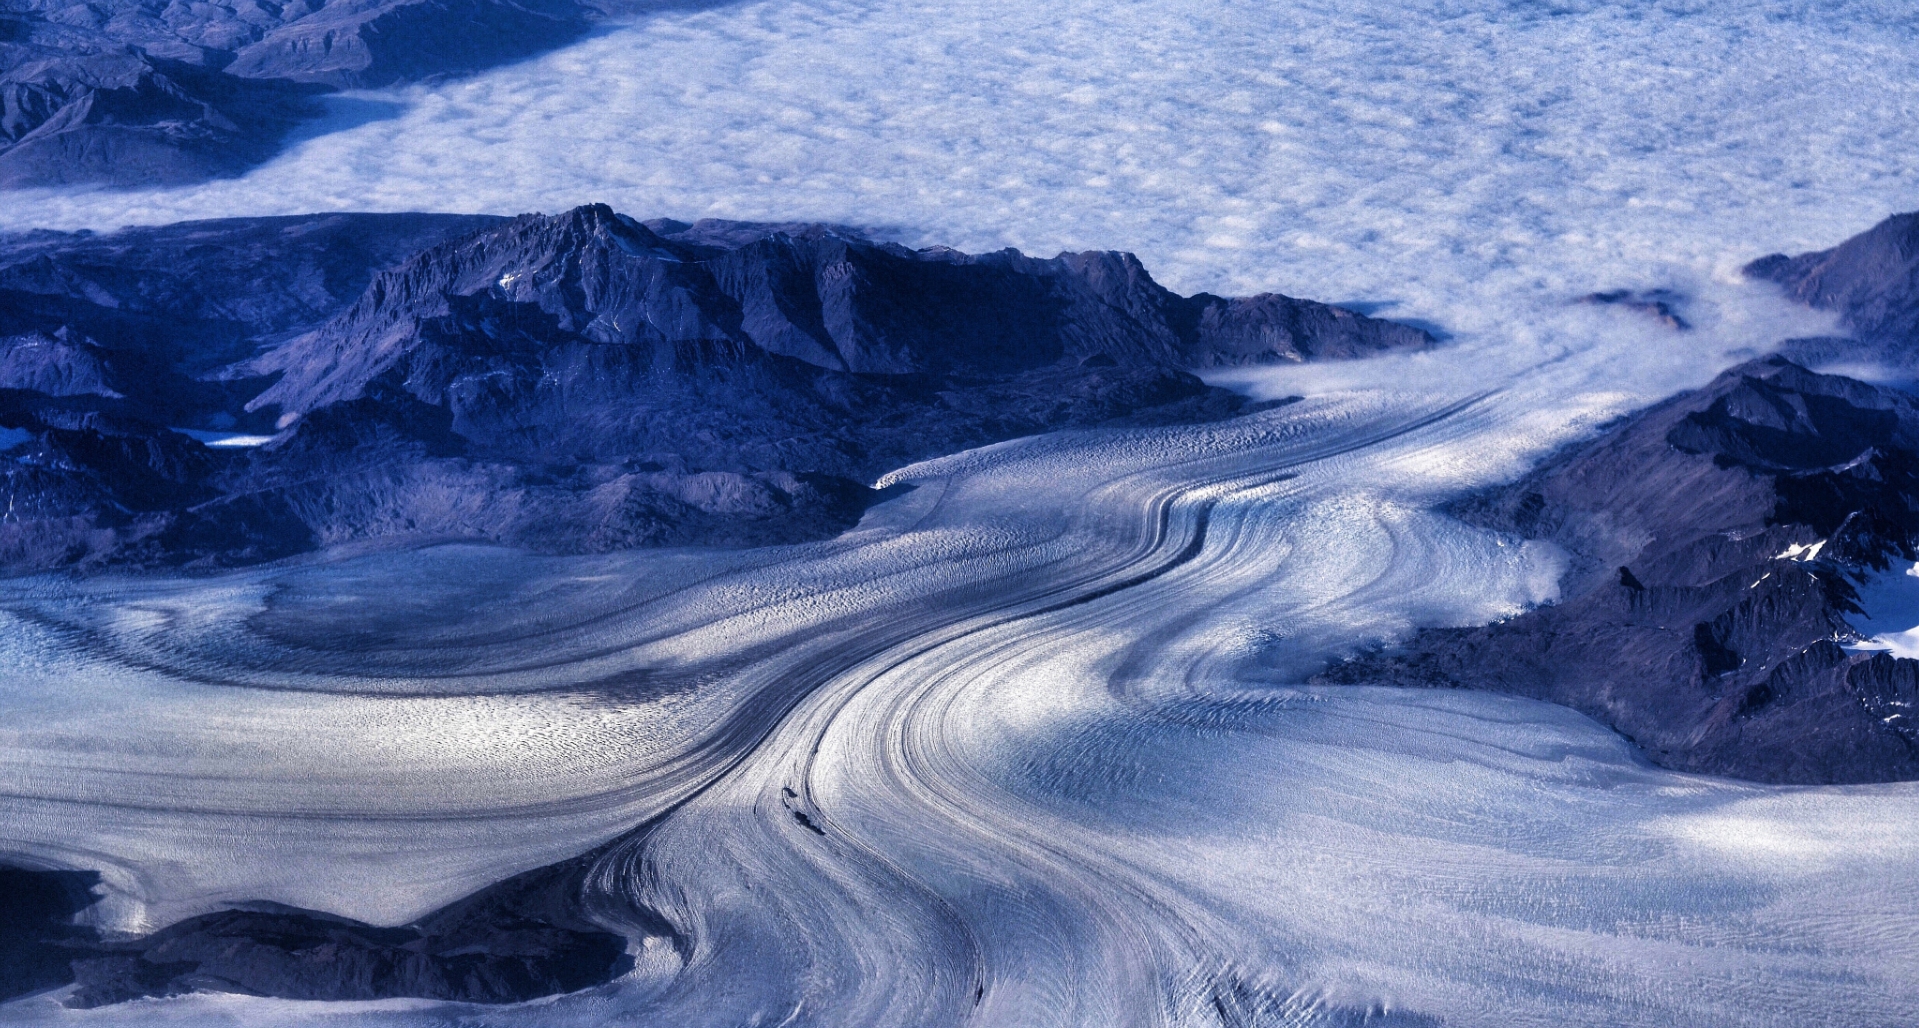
(1421, 152)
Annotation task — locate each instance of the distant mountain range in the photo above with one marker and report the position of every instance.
(573, 383)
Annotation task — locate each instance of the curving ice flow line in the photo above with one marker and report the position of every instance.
(887, 858)
(1027, 747)
(356, 722)
(781, 805)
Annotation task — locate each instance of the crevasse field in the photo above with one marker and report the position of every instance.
(1047, 706)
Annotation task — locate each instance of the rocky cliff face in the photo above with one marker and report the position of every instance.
(572, 383)
(538, 333)
(1716, 539)
(517, 940)
(103, 315)
(1871, 281)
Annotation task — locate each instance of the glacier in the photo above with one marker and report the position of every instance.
(1031, 744)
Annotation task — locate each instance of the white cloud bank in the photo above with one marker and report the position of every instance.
(1429, 152)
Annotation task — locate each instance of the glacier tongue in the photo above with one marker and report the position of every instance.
(1023, 748)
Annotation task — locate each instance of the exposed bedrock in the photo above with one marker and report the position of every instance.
(1716, 539)
(520, 939)
(1870, 281)
(120, 117)
(149, 316)
(124, 93)
(38, 940)
(575, 383)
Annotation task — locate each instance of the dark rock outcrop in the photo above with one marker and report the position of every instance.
(571, 383)
(98, 113)
(149, 316)
(1716, 538)
(129, 93)
(1871, 281)
(1661, 305)
(360, 43)
(517, 940)
(297, 954)
(542, 300)
(38, 939)
(106, 341)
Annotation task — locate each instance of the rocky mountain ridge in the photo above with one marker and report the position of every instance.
(573, 383)
(1718, 541)
(128, 93)
(517, 940)
(1717, 538)
(1871, 282)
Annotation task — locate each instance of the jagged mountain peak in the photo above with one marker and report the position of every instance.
(580, 380)
(1772, 415)
(818, 295)
(1871, 281)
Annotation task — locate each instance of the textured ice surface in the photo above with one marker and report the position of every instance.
(1037, 716)
(1041, 713)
